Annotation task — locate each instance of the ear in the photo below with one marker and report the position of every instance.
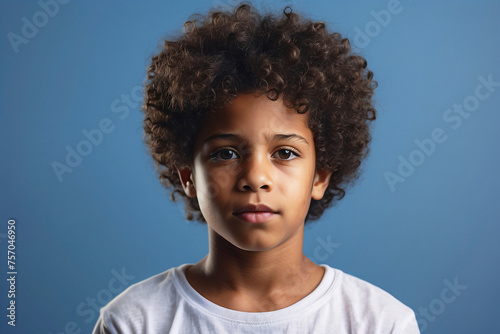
(186, 177)
(321, 181)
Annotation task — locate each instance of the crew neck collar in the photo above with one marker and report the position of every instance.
(309, 303)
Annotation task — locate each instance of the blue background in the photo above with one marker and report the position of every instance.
(111, 215)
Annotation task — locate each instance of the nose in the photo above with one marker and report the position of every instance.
(256, 174)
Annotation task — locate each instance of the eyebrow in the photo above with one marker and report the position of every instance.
(292, 136)
(276, 137)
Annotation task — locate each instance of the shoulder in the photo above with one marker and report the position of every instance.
(133, 307)
(145, 292)
(355, 288)
(371, 305)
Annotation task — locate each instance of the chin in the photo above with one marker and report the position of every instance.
(255, 245)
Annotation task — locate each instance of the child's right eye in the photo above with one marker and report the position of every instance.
(224, 154)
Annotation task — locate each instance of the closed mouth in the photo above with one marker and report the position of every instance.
(254, 208)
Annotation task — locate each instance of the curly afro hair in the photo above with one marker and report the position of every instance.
(226, 53)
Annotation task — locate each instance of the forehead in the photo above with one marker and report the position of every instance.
(253, 117)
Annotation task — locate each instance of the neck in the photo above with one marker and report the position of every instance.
(281, 275)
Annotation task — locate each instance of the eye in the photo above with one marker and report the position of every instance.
(224, 154)
(285, 154)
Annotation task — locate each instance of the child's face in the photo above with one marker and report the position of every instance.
(255, 152)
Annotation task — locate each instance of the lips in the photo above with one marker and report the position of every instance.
(255, 213)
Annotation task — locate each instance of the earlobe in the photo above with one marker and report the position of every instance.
(186, 178)
(321, 181)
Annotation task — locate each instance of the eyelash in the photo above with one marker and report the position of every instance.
(214, 155)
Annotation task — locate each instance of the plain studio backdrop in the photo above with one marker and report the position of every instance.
(91, 217)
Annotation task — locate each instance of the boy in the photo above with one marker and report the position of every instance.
(259, 123)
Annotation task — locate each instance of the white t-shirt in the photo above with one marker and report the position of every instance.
(341, 303)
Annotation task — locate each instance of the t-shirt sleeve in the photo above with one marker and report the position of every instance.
(404, 322)
(117, 318)
(102, 328)
(411, 326)
(107, 324)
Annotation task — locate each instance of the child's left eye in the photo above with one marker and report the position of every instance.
(285, 154)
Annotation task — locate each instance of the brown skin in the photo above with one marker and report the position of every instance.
(255, 267)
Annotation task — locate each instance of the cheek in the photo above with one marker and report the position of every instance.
(206, 194)
(212, 184)
(296, 183)
(222, 178)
